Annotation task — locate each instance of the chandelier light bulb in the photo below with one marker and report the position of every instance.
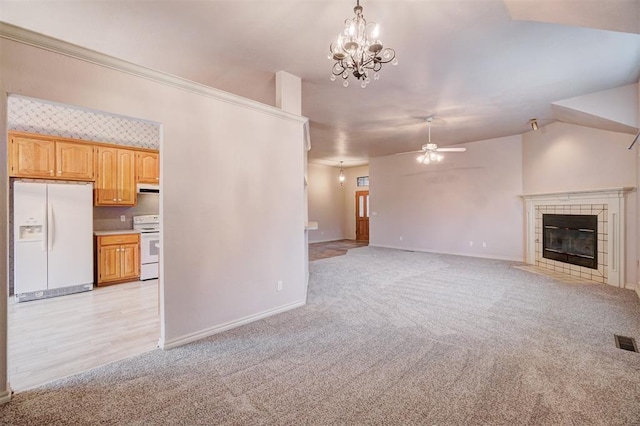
(376, 31)
(346, 83)
(358, 50)
(394, 62)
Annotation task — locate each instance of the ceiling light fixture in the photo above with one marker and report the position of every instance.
(358, 51)
(534, 124)
(430, 151)
(430, 155)
(341, 176)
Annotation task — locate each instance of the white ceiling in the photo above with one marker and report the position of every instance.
(481, 73)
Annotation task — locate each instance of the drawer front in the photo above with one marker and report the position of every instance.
(105, 240)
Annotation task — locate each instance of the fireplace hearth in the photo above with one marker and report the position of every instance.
(571, 239)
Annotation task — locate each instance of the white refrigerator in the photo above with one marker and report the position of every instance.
(52, 240)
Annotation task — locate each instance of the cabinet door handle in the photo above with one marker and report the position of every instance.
(51, 172)
(115, 199)
(119, 199)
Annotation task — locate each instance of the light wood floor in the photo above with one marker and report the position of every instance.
(333, 248)
(54, 338)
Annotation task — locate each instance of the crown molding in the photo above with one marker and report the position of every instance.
(24, 36)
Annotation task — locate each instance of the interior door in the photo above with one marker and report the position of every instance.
(362, 215)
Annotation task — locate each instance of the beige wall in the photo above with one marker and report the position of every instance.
(232, 190)
(349, 190)
(469, 204)
(566, 157)
(326, 203)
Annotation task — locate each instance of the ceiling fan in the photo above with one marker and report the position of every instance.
(430, 153)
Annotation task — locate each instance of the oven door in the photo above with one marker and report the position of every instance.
(149, 243)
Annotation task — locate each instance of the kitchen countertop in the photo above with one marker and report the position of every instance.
(117, 232)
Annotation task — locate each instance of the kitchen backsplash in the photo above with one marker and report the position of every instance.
(108, 218)
(49, 118)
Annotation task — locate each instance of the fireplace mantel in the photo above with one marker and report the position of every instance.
(614, 201)
(581, 194)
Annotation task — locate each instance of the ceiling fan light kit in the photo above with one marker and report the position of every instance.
(358, 51)
(431, 152)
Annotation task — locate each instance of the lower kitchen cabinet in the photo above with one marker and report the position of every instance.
(117, 258)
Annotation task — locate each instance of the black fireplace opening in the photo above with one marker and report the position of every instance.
(571, 238)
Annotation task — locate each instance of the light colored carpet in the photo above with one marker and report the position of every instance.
(388, 337)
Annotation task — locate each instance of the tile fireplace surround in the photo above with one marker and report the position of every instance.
(608, 205)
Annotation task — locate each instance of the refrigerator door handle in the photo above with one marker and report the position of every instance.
(50, 227)
(46, 227)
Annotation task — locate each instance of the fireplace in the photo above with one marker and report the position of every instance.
(571, 238)
(609, 205)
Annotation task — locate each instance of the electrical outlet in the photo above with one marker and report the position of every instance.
(279, 285)
(123, 218)
(400, 238)
(470, 243)
(484, 245)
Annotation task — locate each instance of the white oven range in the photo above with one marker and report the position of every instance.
(149, 227)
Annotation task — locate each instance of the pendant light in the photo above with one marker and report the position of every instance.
(341, 176)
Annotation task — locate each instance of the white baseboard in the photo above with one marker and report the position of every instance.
(192, 337)
(5, 396)
(511, 259)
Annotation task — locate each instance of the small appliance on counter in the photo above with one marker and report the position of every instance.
(149, 227)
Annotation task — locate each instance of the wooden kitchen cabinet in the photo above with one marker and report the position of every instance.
(148, 167)
(75, 161)
(116, 177)
(117, 258)
(31, 157)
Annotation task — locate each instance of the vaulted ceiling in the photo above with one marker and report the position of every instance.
(482, 67)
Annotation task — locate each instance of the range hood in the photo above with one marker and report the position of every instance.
(148, 188)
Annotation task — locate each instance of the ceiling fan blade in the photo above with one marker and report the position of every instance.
(409, 152)
(451, 149)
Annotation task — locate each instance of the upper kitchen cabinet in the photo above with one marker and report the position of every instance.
(148, 167)
(31, 157)
(75, 161)
(36, 156)
(116, 177)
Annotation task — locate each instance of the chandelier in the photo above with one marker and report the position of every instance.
(358, 51)
(341, 176)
